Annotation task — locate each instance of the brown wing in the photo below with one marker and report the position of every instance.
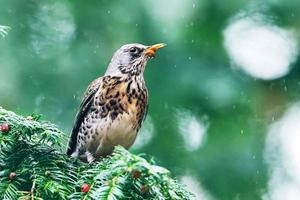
(83, 110)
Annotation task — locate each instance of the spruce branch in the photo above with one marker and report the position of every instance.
(32, 166)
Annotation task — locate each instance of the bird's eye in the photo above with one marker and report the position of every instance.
(134, 50)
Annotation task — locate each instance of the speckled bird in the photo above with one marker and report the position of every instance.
(114, 106)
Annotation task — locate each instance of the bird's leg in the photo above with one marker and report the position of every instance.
(89, 157)
(75, 154)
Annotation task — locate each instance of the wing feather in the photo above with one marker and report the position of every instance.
(83, 110)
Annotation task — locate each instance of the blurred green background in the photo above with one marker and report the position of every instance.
(229, 72)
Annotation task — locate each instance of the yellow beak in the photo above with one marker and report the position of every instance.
(150, 51)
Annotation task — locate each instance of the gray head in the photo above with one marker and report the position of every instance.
(131, 59)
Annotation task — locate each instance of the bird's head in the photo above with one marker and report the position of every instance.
(131, 59)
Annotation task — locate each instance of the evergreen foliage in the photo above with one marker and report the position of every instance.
(32, 166)
(4, 30)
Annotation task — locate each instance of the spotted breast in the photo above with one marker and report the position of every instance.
(116, 112)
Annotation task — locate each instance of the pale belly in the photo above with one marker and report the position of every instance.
(120, 131)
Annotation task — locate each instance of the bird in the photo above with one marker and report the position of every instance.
(114, 105)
